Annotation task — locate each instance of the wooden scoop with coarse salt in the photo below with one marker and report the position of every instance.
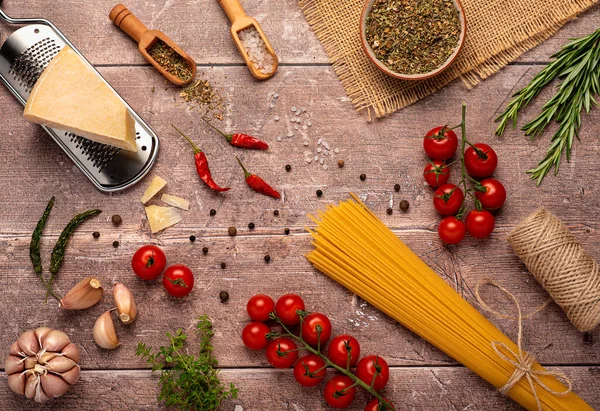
(181, 72)
(250, 40)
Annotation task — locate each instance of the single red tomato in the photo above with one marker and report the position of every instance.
(338, 393)
(436, 173)
(310, 370)
(286, 308)
(259, 307)
(149, 262)
(482, 162)
(282, 352)
(371, 365)
(440, 143)
(178, 280)
(254, 335)
(448, 199)
(451, 230)
(480, 224)
(494, 196)
(310, 329)
(373, 405)
(340, 347)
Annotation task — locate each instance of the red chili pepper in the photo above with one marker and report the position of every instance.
(202, 165)
(258, 184)
(241, 140)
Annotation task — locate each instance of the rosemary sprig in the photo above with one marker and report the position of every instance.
(578, 64)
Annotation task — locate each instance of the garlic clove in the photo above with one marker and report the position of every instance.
(43, 359)
(56, 340)
(60, 364)
(104, 332)
(125, 303)
(15, 349)
(85, 294)
(72, 376)
(31, 385)
(53, 385)
(28, 343)
(13, 364)
(40, 334)
(17, 382)
(30, 362)
(40, 394)
(71, 351)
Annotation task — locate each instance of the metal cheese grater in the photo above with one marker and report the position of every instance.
(23, 57)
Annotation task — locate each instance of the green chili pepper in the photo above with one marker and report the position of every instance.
(34, 245)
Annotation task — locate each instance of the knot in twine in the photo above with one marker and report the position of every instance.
(522, 361)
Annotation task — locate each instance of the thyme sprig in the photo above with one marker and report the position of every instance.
(578, 65)
(186, 381)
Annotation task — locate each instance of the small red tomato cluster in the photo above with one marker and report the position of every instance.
(343, 352)
(478, 162)
(149, 262)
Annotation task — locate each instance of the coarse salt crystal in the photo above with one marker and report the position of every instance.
(276, 118)
(294, 108)
(336, 150)
(279, 138)
(276, 95)
(322, 160)
(296, 127)
(309, 124)
(325, 167)
(303, 109)
(319, 141)
(271, 105)
(290, 134)
(308, 160)
(298, 112)
(319, 149)
(305, 143)
(304, 127)
(316, 158)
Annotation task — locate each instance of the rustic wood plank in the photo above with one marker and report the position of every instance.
(448, 388)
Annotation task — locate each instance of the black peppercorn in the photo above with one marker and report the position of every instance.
(213, 212)
(363, 177)
(205, 250)
(251, 226)
(115, 244)
(95, 234)
(116, 220)
(276, 213)
(267, 258)
(319, 193)
(224, 296)
(397, 187)
(288, 168)
(223, 265)
(404, 205)
(287, 231)
(232, 231)
(389, 211)
(192, 238)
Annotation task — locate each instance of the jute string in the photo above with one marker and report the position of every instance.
(561, 266)
(521, 360)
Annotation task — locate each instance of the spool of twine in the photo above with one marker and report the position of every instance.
(561, 266)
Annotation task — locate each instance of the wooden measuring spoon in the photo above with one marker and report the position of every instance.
(126, 21)
(240, 21)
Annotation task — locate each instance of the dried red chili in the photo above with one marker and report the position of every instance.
(202, 165)
(241, 140)
(258, 184)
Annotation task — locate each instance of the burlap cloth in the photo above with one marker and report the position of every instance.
(498, 31)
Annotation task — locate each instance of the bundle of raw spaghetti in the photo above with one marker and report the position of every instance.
(354, 248)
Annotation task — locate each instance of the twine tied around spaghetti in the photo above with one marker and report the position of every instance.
(521, 360)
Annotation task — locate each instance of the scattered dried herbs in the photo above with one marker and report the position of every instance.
(201, 96)
(186, 381)
(170, 60)
(413, 36)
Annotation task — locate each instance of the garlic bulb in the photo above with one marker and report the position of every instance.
(125, 303)
(104, 332)
(42, 364)
(85, 294)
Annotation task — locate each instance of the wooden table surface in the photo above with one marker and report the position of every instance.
(388, 151)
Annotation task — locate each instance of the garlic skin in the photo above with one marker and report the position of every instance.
(84, 294)
(125, 303)
(104, 332)
(42, 364)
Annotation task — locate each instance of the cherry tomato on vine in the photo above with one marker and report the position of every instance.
(440, 143)
(259, 307)
(451, 230)
(480, 163)
(436, 173)
(286, 308)
(373, 405)
(310, 370)
(448, 199)
(337, 392)
(338, 349)
(149, 262)
(371, 365)
(494, 196)
(178, 280)
(480, 224)
(254, 335)
(282, 352)
(310, 328)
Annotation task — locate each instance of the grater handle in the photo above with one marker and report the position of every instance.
(126, 21)
(233, 9)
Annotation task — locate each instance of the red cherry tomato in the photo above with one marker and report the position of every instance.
(451, 230)
(259, 307)
(480, 224)
(286, 308)
(149, 262)
(336, 392)
(282, 353)
(494, 196)
(480, 163)
(310, 370)
(373, 405)
(254, 335)
(436, 173)
(312, 322)
(368, 367)
(440, 143)
(339, 348)
(178, 280)
(448, 199)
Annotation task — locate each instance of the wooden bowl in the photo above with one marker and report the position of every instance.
(421, 76)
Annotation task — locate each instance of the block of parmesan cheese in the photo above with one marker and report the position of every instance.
(70, 96)
(155, 186)
(162, 217)
(176, 201)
